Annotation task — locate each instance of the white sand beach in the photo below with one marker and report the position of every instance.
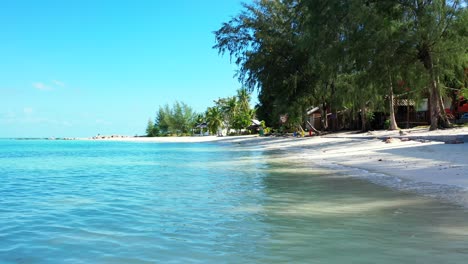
(433, 163)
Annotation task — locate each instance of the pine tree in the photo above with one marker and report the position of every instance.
(150, 128)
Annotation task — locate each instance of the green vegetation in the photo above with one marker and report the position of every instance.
(176, 120)
(347, 57)
(151, 131)
(180, 119)
(235, 111)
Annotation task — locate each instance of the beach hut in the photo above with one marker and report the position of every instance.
(201, 127)
(409, 113)
(314, 118)
(255, 125)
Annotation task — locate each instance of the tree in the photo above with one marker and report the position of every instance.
(374, 42)
(352, 47)
(228, 108)
(200, 119)
(264, 41)
(161, 122)
(243, 99)
(235, 110)
(437, 31)
(350, 55)
(214, 119)
(150, 130)
(243, 114)
(178, 119)
(181, 118)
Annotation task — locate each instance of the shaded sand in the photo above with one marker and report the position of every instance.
(418, 161)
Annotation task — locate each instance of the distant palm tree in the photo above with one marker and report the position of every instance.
(243, 99)
(228, 107)
(200, 119)
(198, 122)
(214, 118)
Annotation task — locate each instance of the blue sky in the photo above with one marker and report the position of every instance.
(79, 68)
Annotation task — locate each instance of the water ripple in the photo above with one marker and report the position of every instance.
(116, 202)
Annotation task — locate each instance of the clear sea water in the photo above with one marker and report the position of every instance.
(118, 202)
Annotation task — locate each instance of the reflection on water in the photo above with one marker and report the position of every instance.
(115, 202)
(342, 220)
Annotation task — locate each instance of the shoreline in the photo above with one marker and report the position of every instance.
(431, 163)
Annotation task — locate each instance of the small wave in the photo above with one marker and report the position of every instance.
(442, 192)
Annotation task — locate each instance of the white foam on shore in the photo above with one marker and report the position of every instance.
(442, 192)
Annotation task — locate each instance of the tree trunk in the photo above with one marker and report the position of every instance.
(393, 123)
(434, 111)
(433, 91)
(333, 109)
(323, 113)
(445, 122)
(437, 107)
(424, 54)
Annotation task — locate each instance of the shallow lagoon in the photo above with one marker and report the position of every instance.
(118, 202)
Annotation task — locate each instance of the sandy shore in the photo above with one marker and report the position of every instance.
(418, 161)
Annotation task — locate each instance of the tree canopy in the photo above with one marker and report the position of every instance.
(228, 113)
(176, 120)
(347, 55)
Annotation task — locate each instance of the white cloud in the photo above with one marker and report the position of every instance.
(28, 110)
(41, 86)
(58, 83)
(48, 86)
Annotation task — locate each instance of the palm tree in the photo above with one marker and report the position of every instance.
(228, 108)
(198, 122)
(214, 119)
(243, 99)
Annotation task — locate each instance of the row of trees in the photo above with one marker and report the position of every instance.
(230, 113)
(352, 55)
(178, 119)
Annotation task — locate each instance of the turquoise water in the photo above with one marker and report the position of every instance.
(117, 202)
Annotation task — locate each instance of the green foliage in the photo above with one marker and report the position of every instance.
(150, 129)
(227, 107)
(387, 124)
(242, 120)
(176, 120)
(370, 116)
(344, 54)
(464, 92)
(234, 112)
(243, 115)
(180, 119)
(162, 120)
(199, 119)
(214, 118)
(267, 130)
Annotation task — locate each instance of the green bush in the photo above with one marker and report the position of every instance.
(370, 116)
(387, 124)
